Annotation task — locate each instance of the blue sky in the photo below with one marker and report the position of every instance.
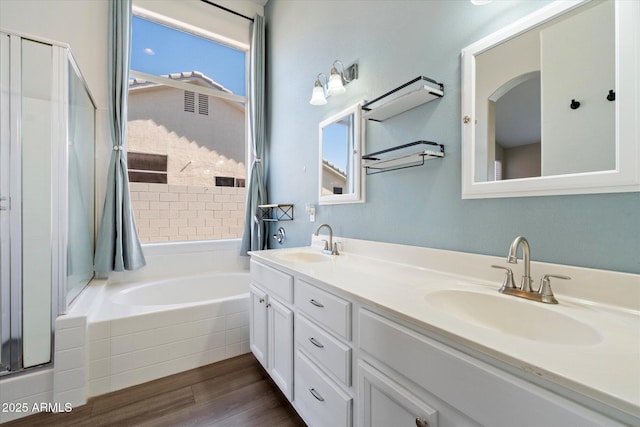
(157, 49)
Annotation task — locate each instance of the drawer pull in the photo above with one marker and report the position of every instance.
(421, 422)
(316, 303)
(316, 342)
(316, 394)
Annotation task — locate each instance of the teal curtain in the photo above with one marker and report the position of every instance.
(253, 237)
(118, 246)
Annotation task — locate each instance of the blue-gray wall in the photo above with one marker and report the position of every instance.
(393, 42)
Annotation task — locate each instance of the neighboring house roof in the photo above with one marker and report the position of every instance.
(189, 76)
(332, 167)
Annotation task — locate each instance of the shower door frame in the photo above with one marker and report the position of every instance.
(11, 217)
(11, 260)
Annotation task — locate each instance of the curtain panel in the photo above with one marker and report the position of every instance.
(254, 237)
(118, 246)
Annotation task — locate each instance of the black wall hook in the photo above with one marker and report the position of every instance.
(611, 96)
(574, 104)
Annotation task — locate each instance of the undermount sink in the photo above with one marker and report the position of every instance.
(525, 319)
(303, 257)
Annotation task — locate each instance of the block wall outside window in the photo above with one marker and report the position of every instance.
(165, 213)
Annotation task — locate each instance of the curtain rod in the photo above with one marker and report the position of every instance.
(226, 9)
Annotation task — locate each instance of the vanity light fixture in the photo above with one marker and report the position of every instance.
(319, 95)
(335, 84)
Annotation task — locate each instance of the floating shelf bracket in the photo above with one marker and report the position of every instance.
(403, 98)
(275, 212)
(401, 157)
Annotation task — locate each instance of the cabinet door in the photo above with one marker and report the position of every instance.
(280, 346)
(258, 324)
(382, 402)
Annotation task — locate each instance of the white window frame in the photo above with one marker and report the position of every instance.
(217, 38)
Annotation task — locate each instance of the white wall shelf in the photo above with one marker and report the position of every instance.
(402, 157)
(403, 98)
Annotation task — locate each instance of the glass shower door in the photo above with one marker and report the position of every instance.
(5, 136)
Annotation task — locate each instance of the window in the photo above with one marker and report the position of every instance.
(187, 165)
(145, 167)
(229, 181)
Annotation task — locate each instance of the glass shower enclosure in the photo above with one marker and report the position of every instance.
(47, 205)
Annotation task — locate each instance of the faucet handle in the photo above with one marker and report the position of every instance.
(326, 244)
(335, 249)
(508, 278)
(545, 286)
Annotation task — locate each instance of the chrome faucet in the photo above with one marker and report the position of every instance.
(544, 293)
(512, 258)
(329, 247)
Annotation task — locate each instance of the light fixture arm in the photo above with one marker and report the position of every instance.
(334, 70)
(347, 74)
(319, 83)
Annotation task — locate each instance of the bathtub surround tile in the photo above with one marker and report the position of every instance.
(70, 359)
(68, 380)
(150, 346)
(70, 368)
(99, 386)
(100, 330)
(99, 368)
(237, 335)
(132, 342)
(236, 306)
(99, 349)
(237, 320)
(66, 339)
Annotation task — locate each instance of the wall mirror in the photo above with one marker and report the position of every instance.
(340, 172)
(550, 103)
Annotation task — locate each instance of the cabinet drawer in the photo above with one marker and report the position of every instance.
(317, 398)
(330, 311)
(327, 351)
(274, 281)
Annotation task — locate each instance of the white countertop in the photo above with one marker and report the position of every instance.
(607, 371)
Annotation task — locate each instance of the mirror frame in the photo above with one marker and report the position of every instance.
(357, 196)
(626, 176)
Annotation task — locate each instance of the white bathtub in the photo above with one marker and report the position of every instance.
(184, 290)
(149, 329)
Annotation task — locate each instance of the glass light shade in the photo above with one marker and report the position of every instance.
(335, 84)
(317, 97)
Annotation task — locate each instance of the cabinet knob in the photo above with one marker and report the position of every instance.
(268, 305)
(261, 300)
(421, 422)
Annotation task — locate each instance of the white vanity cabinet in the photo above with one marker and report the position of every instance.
(271, 323)
(323, 356)
(343, 361)
(465, 390)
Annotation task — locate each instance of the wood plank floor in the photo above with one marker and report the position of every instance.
(233, 392)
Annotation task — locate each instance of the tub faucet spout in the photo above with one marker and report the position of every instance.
(512, 258)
